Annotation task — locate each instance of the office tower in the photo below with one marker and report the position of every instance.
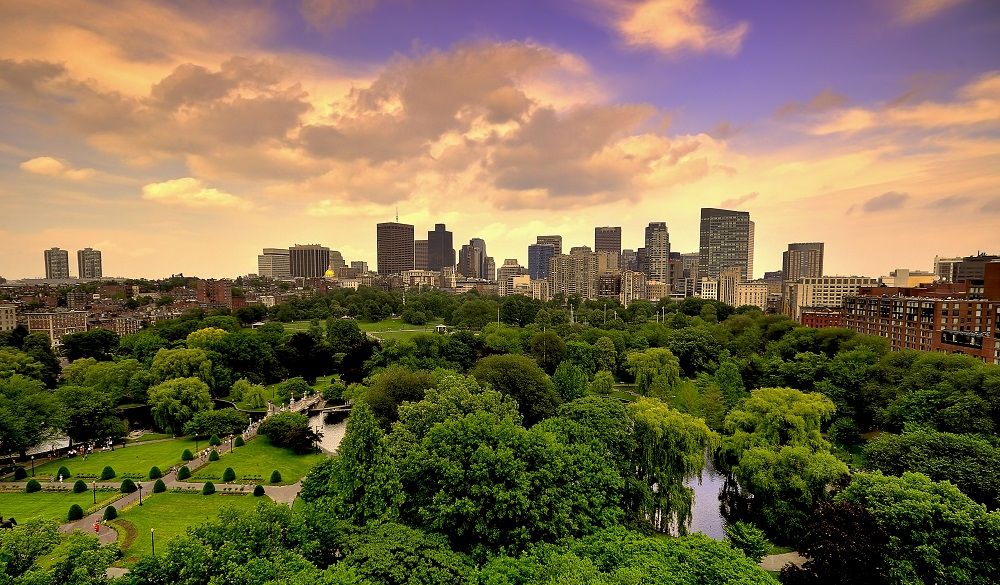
(470, 261)
(56, 263)
(274, 263)
(642, 261)
(973, 268)
(574, 273)
(944, 268)
(420, 254)
(88, 262)
(726, 240)
(308, 260)
(803, 259)
(629, 260)
(608, 262)
(337, 261)
(657, 251)
(729, 277)
(632, 287)
(394, 247)
(539, 256)
(359, 266)
(825, 291)
(608, 239)
(480, 244)
(506, 274)
(440, 250)
(556, 242)
(489, 268)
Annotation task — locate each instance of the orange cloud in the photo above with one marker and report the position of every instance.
(46, 165)
(190, 192)
(673, 26)
(910, 12)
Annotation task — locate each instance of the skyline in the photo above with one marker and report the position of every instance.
(874, 127)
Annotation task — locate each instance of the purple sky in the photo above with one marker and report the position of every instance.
(185, 137)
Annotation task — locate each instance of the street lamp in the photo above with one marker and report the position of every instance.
(140, 493)
(152, 539)
(32, 466)
(95, 492)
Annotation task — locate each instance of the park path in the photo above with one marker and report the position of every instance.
(776, 562)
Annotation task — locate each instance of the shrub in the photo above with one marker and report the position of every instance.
(258, 490)
(208, 489)
(75, 513)
(110, 513)
(239, 442)
(749, 539)
(228, 475)
(159, 487)
(275, 476)
(128, 486)
(215, 441)
(64, 472)
(183, 473)
(213, 456)
(32, 486)
(107, 473)
(155, 473)
(79, 486)
(187, 455)
(20, 473)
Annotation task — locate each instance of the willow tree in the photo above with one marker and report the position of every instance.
(657, 371)
(670, 446)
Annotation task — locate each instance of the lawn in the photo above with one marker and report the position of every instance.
(51, 505)
(393, 328)
(170, 513)
(132, 461)
(254, 462)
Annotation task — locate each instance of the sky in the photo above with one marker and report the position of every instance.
(183, 137)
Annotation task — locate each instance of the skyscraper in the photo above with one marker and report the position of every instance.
(470, 261)
(802, 259)
(274, 263)
(608, 239)
(420, 254)
(726, 240)
(88, 262)
(539, 256)
(308, 260)
(56, 263)
(480, 244)
(556, 242)
(574, 273)
(394, 247)
(658, 251)
(440, 248)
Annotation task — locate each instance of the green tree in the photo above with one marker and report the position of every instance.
(656, 371)
(27, 413)
(170, 364)
(397, 554)
(730, 383)
(749, 539)
(343, 335)
(570, 381)
(521, 378)
(289, 429)
(548, 349)
(604, 383)
(222, 422)
(843, 545)
(393, 386)
(606, 355)
(100, 344)
(177, 401)
(39, 348)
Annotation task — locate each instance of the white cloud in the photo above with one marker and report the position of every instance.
(191, 192)
(53, 167)
(909, 12)
(673, 26)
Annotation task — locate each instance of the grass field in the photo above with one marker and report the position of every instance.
(170, 513)
(50, 505)
(151, 437)
(136, 459)
(254, 462)
(385, 329)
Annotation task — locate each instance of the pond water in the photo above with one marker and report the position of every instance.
(706, 514)
(331, 429)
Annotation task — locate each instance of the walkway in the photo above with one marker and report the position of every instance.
(776, 562)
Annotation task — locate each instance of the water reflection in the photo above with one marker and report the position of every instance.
(706, 512)
(331, 428)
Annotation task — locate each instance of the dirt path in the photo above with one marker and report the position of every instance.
(776, 562)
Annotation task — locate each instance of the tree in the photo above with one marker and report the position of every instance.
(393, 386)
(343, 335)
(548, 349)
(28, 413)
(100, 344)
(603, 383)
(582, 355)
(397, 554)
(39, 348)
(656, 371)
(730, 384)
(570, 381)
(90, 414)
(177, 401)
(606, 355)
(844, 546)
(475, 314)
(521, 378)
(289, 429)
(749, 539)
(222, 422)
(170, 364)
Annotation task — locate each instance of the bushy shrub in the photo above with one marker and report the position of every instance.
(20, 473)
(75, 513)
(155, 473)
(275, 476)
(187, 455)
(128, 486)
(107, 473)
(183, 473)
(63, 472)
(159, 487)
(228, 475)
(79, 486)
(258, 490)
(110, 513)
(239, 442)
(208, 489)
(749, 539)
(213, 456)
(215, 441)
(32, 486)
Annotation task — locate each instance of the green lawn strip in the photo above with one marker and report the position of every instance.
(778, 550)
(151, 437)
(400, 335)
(254, 462)
(171, 514)
(52, 505)
(133, 461)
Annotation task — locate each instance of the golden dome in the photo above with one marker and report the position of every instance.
(329, 273)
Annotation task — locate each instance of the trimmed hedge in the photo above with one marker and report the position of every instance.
(128, 486)
(79, 487)
(159, 487)
(75, 513)
(20, 473)
(183, 473)
(107, 473)
(64, 472)
(213, 456)
(32, 486)
(258, 490)
(275, 476)
(239, 442)
(110, 513)
(228, 475)
(187, 455)
(214, 441)
(208, 489)
(155, 473)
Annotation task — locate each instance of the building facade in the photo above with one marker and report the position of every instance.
(56, 263)
(420, 255)
(8, 317)
(657, 251)
(539, 256)
(804, 259)
(608, 239)
(944, 267)
(726, 239)
(56, 325)
(574, 273)
(751, 294)
(633, 286)
(729, 278)
(506, 274)
(88, 262)
(440, 248)
(826, 291)
(274, 263)
(308, 260)
(394, 248)
(556, 242)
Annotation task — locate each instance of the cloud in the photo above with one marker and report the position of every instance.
(191, 192)
(950, 202)
(824, 101)
(885, 202)
(46, 165)
(992, 206)
(737, 201)
(911, 12)
(674, 26)
(325, 14)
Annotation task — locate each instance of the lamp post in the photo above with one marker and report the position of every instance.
(152, 539)
(140, 493)
(196, 443)
(95, 492)
(32, 466)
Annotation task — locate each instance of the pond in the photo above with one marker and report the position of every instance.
(331, 430)
(706, 513)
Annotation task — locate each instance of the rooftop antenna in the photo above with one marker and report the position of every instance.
(397, 214)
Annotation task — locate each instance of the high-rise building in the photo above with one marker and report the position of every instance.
(506, 274)
(440, 248)
(608, 239)
(308, 260)
(729, 278)
(633, 286)
(420, 254)
(56, 263)
(658, 251)
(88, 262)
(574, 273)
(556, 242)
(825, 291)
(802, 260)
(944, 268)
(489, 268)
(274, 263)
(394, 247)
(629, 260)
(359, 266)
(751, 294)
(973, 268)
(8, 317)
(539, 256)
(608, 262)
(726, 239)
(470, 261)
